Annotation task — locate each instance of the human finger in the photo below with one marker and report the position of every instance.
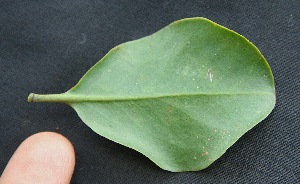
(45, 157)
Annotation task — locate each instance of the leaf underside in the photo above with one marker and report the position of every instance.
(181, 96)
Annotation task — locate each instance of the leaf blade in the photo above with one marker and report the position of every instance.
(177, 123)
(121, 62)
(181, 96)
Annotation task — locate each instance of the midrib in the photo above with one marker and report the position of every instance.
(68, 98)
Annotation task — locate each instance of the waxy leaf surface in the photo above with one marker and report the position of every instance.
(181, 96)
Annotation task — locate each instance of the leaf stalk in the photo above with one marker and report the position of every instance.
(46, 98)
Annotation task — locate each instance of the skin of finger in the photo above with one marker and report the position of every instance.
(42, 158)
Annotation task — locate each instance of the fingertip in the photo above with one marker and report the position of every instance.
(44, 157)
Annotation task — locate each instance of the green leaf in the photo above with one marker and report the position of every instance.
(181, 96)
